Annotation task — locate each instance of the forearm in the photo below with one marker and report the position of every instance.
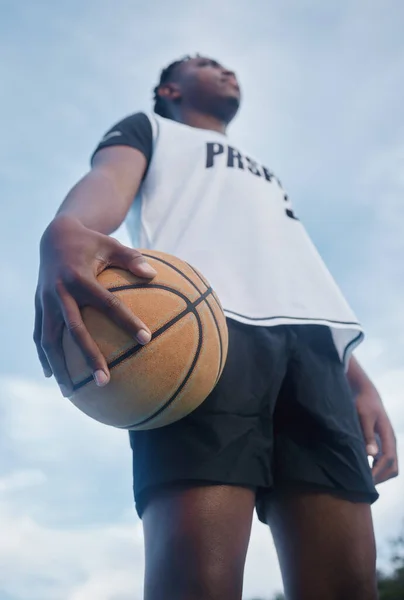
(358, 380)
(96, 202)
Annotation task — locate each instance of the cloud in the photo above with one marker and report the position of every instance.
(95, 563)
(69, 528)
(322, 107)
(51, 551)
(43, 540)
(21, 480)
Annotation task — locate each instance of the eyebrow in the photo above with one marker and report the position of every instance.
(214, 63)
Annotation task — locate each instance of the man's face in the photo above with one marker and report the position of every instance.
(208, 87)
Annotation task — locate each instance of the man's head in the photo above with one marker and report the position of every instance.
(197, 85)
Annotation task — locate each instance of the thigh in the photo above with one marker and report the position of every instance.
(325, 545)
(196, 540)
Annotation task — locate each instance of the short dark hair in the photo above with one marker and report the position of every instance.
(160, 104)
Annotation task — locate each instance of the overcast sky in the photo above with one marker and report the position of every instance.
(323, 95)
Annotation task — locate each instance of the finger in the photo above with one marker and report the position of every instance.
(368, 428)
(381, 467)
(91, 352)
(387, 466)
(52, 332)
(388, 470)
(133, 261)
(387, 475)
(37, 339)
(117, 311)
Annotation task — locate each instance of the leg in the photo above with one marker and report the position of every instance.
(196, 540)
(197, 532)
(319, 512)
(325, 545)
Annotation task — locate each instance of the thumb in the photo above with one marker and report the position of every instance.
(133, 261)
(368, 428)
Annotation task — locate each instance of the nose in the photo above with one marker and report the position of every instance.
(229, 73)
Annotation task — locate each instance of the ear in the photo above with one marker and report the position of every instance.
(170, 91)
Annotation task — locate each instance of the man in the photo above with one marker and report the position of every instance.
(280, 432)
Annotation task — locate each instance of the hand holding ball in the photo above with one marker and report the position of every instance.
(163, 381)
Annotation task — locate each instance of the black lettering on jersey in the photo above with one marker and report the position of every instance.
(236, 159)
(232, 155)
(253, 167)
(267, 174)
(213, 149)
(289, 211)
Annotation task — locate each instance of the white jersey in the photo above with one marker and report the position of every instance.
(216, 207)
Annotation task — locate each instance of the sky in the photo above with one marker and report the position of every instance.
(323, 91)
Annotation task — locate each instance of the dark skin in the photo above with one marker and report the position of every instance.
(203, 94)
(196, 538)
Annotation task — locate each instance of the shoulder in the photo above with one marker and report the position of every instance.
(135, 130)
(135, 123)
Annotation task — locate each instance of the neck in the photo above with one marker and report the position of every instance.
(200, 120)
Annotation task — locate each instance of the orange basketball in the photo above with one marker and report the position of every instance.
(157, 384)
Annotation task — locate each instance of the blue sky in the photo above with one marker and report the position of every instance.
(323, 95)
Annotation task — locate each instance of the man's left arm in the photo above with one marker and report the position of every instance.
(374, 421)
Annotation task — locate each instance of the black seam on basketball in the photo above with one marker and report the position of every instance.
(220, 340)
(216, 299)
(191, 307)
(196, 287)
(214, 318)
(174, 269)
(182, 384)
(158, 286)
(198, 275)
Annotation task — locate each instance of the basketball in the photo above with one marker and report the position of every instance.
(157, 384)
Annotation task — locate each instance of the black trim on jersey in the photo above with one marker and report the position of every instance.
(134, 131)
(291, 318)
(353, 342)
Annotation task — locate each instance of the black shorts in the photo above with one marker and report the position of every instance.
(282, 416)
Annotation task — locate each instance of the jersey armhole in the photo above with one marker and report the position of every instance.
(154, 126)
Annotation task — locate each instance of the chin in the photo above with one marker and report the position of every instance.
(233, 101)
(228, 108)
